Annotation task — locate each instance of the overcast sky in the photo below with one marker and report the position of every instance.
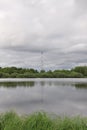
(43, 33)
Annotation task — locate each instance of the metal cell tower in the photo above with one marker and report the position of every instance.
(42, 62)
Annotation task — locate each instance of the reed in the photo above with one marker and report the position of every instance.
(41, 121)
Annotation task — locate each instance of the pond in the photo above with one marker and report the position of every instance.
(59, 96)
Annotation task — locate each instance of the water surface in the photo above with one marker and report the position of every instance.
(59, 96)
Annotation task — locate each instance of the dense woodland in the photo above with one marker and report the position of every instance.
(13, 72)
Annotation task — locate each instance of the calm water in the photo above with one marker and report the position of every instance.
(59, 96)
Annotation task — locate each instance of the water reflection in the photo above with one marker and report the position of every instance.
(81, 86)
(17, 84)
(32, 84)
(42, 83)
(50, 96)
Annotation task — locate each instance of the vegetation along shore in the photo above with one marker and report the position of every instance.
(41, 121)
(13, 72)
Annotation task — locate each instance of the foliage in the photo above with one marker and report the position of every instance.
(81, 69)
(41, 121)
(13, 72)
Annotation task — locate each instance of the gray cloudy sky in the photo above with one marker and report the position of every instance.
(58, 28)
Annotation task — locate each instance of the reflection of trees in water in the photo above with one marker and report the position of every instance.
(42, 83)
(81, 86)
(32, 84)
(17, 84)
(72, 84)
(55, 83)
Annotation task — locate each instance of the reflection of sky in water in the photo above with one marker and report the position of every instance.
(51, 96)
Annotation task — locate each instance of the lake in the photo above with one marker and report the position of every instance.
(59, 96)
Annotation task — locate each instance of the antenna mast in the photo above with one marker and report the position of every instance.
(42, 63)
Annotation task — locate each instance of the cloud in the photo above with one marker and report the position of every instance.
(57, 28)
(81, 5)
(33, 23)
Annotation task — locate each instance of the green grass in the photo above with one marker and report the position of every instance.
(41, 121)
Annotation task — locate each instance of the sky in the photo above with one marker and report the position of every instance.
(43, 34)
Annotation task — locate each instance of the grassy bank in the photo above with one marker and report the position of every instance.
(41, 121)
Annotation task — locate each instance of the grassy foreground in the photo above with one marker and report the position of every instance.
(41, 121)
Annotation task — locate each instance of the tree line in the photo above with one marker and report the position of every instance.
(14, 72)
